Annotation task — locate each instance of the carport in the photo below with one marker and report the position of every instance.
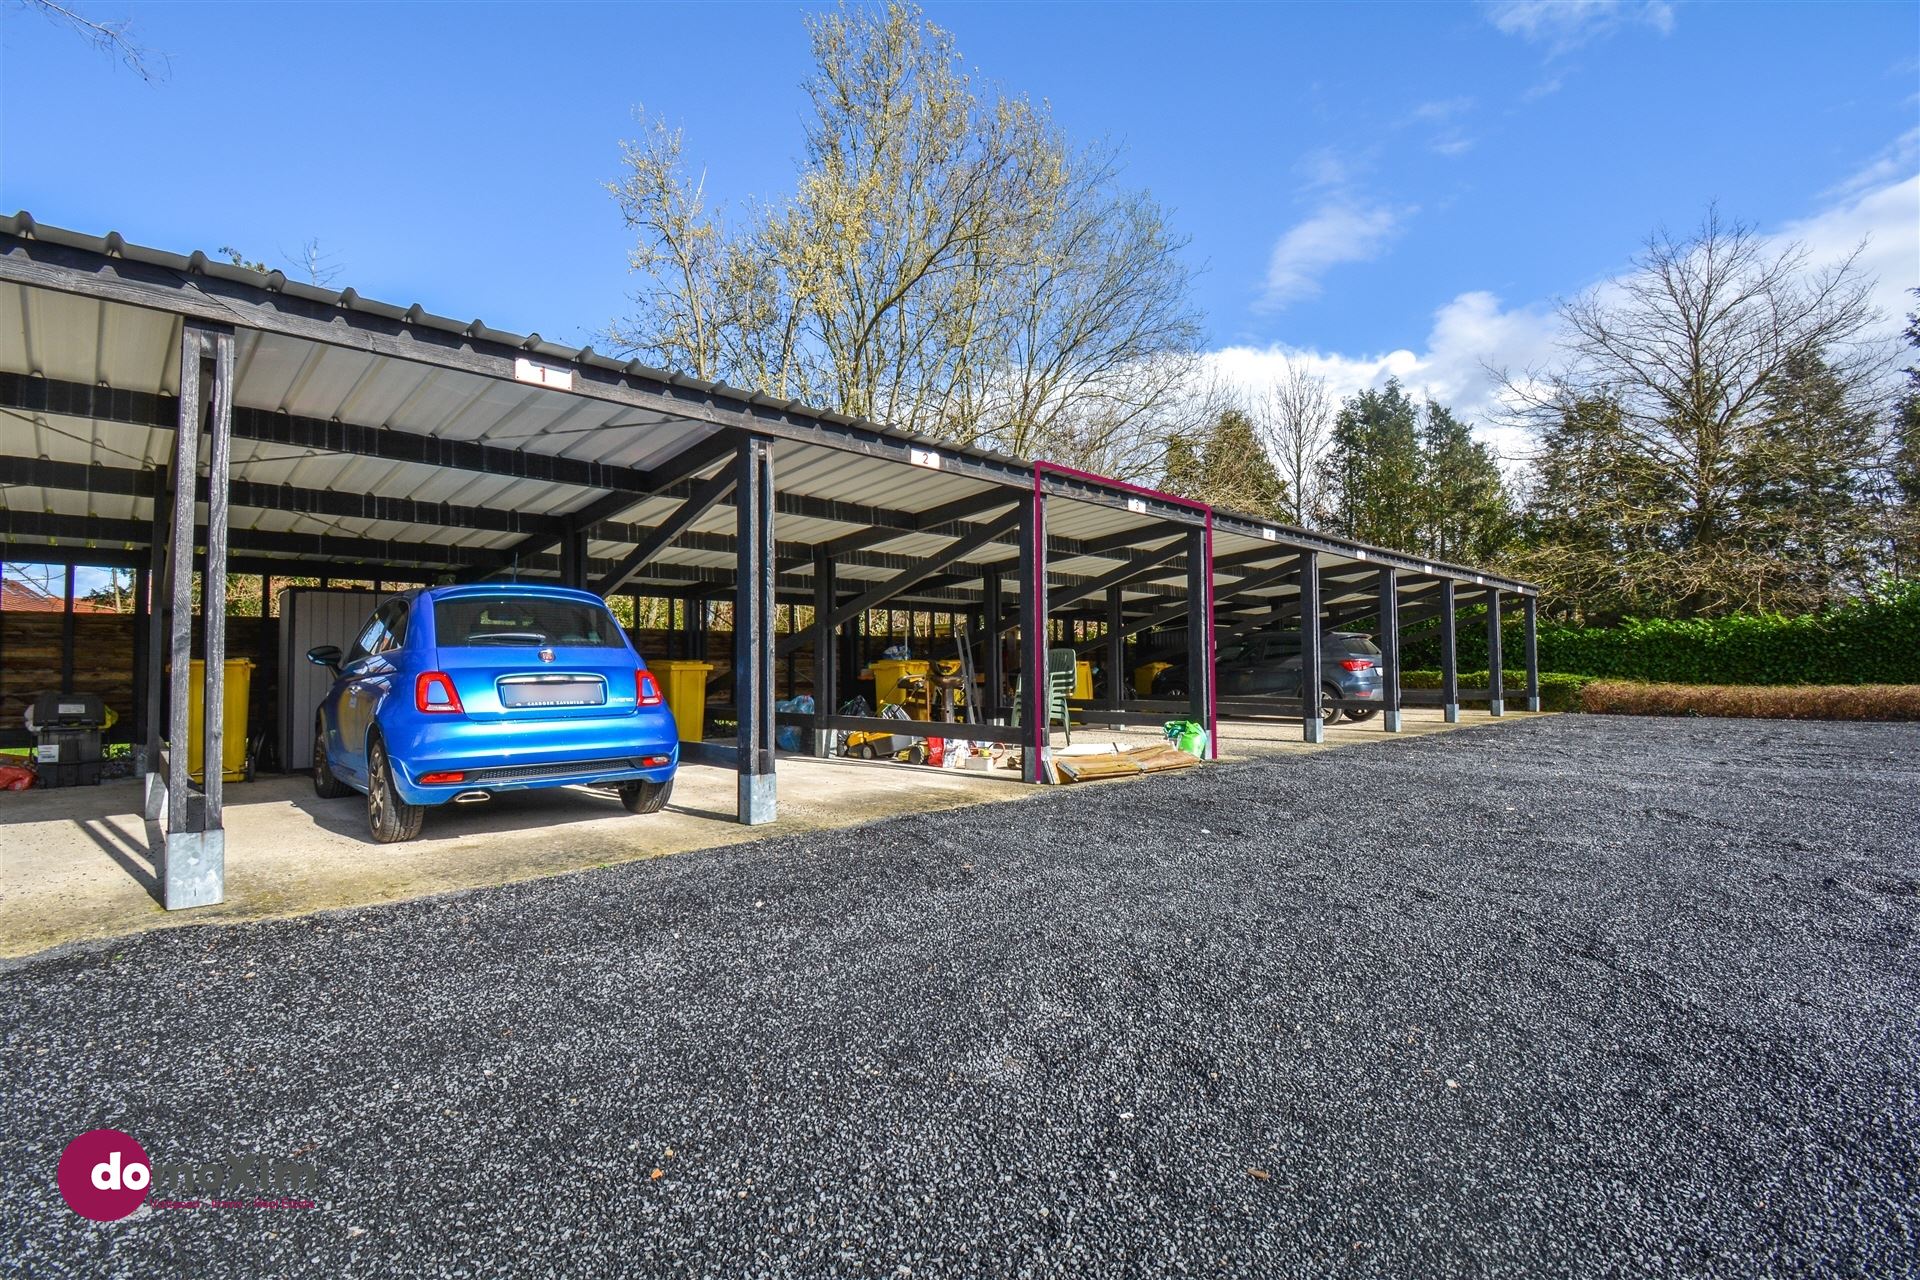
(335, 436)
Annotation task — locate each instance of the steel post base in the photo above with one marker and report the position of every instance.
(1314, 730)
(758, 805)
(1496, 708)
(1533, 704)
(1451, 713)
(1390, 721)
(153, 796)
(194, 869)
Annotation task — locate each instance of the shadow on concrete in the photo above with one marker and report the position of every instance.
(505, 813)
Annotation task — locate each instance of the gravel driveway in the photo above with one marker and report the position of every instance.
(1578, 996)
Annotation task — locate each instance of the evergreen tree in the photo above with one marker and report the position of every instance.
(1372, 470)
(1228, 468)
(1468, 515)
(1803, 506)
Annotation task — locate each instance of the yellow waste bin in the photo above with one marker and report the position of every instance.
(1143, 676)
(1083, 679)
(887, 675)
(686, 689)
(233, 725)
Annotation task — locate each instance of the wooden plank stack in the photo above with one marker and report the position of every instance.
(1156, 758)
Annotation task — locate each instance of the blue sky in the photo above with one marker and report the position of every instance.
(1384, 188)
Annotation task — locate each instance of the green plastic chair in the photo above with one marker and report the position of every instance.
(1062, 672)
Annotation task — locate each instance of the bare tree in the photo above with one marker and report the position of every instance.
(948, 263)
(319, 268)
(1294, 419)
(1685, 364)
(112, 38)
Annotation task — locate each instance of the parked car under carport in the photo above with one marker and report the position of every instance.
(1268, 666)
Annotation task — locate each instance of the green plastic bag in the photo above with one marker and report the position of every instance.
(1189, 736)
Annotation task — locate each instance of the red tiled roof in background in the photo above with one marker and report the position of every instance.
(23, 597)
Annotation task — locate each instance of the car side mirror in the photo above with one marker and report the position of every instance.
(325, 655)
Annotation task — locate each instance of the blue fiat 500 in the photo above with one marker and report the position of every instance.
(453, 691)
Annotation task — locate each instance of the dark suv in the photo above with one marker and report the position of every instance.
(1269, 666)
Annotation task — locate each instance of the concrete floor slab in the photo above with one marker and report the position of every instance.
(77, 863)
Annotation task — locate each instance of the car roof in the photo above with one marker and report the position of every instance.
(528, 590)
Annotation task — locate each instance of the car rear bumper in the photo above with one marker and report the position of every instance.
(525, 755)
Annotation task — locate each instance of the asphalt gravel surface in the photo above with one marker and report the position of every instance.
(1570, 997)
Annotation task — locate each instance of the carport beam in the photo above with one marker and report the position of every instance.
(1496, 704)
(1033, 637)
(1312, 727)
(1449, 655)
(1390, 649)
(1200, 664)
(753, 649)
(1116, 637)
(993, 667)
(1530, 616)
(826, 673)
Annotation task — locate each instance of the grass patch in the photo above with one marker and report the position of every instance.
(1770, 702)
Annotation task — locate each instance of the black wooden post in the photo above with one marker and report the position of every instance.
(826, 663)
(213, 598)
(137, 731)
(1312, 727)
(66, 636)
(1034, 633)
(193, 857)
(1117, 682)
(1200, 633)
(993, 666)
(753, 641)
(1449, 656)
(160, 576)
(1390, 649)
(1530, 615)
(1495, 693)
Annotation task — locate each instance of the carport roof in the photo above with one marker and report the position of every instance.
(370, 433)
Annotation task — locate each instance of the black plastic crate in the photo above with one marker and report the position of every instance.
(69, 775)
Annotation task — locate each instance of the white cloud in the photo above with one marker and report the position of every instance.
(1442, 110)
(1339, 231)
(1566, 24)
(1475, 333)
(1887, 218)
(1469, 334)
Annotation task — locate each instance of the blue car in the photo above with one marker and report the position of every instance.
(457, 692)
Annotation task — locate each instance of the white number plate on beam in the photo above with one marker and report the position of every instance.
(542, 375)
(924, 458)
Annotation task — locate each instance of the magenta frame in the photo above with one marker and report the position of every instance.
(1042, 468)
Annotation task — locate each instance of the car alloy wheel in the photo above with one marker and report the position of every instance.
(391, 819)
(325, 785)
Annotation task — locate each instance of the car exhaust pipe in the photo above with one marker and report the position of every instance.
(473, 797)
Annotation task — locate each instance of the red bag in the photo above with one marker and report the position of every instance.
(15, 778)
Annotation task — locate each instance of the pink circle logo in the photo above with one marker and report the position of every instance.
(104, 1175)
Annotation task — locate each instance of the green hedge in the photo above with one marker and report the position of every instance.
(1559, 690)
(1873, 641)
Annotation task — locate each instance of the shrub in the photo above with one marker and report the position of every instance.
(1774, 702)
(1559, 690)
(1876, 640)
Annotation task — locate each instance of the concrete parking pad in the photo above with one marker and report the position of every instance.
(74, 863)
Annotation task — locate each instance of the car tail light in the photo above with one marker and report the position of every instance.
(454, 775)
(1357, 664)
(647, 688)
(652, 762)
(434, 691)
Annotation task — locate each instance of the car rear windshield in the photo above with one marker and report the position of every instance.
(510, 620)
(1356, 644)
